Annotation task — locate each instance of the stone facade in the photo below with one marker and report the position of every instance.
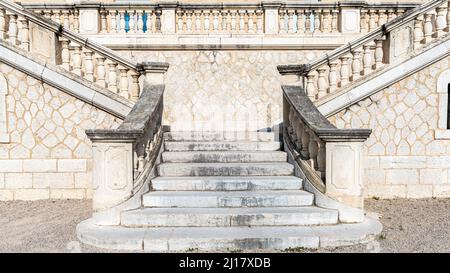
(231, 90)
(48, 154)
(403, 157)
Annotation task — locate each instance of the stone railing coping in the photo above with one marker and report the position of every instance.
(61, 31)
(303, 69)
(136, 121)
(317, 122)
(217, 5)
(154, 66)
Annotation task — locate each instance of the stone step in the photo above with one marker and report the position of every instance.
(219, 136)
(220, 199)
(225, 217)
(224, 156)
(226, 239)
(226, 183)
(225, 169)
(222, 146)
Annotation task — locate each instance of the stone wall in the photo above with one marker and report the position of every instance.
(403, 157)
(48, 155)
(228, 90)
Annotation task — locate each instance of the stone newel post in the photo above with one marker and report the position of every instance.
(154, 72)
(89, 18)
(350, 16)
(271, 18)
(168, 17)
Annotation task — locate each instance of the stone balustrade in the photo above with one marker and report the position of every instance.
(364, 57)
(56, 42)
(124, 158)
(330, 158)
(205, 18)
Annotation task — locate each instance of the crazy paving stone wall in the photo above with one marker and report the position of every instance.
(49, 155)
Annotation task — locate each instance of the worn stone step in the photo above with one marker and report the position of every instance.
(219, 136)
(226, 239)
(226, 183)
(224, 156)
(222, 146)
(224, 217)
(225, 169)
(219, 199)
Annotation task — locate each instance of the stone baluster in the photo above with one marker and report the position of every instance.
(198, 22)
(65, 53)
(180, 21)
(131, 22)
(88, 65)
(65, 16)
(134, 86)
(188, 21)
(304, 152)
(372, 22)
(100, 70)
(321, 158)
(363, 22)
(57, 16)
(308, 21)
(312, 148)
(440, 21)
(224, 21)
(332, 76)
(124, 82)
(12, 28)
(317, 23)
(215, 20)
(334, 20)
(428, 27)
(250, 23)
(418, 31)
(259, 21)
(448, 17)
(241, 21)
(149, 23)
(321, 82)
(326, 28)
(300, 26)
(379, 52)
(122, 21)
(290, 17)
(206, 21)
(2, 24)
(76, 59)
(367, 59)
(298, 131)
(344, 70)
(112, 76)
(157, 22)
(103, 26)
(282, 14)
(400, 12)
(310, 88)
(381, 17)
(76, 21)
(391, 15)
(140, 22)
(233, 20)
(356, 64)
(113, 26)
(48, 14)
(24, 34)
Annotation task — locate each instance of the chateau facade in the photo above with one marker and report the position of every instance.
(260, 107)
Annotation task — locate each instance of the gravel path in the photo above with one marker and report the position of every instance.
(49, 226)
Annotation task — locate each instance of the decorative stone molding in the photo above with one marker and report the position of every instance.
(4, 135)
(330, 158)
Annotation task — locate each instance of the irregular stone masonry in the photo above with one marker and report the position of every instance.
(403, 158)
(49, 155)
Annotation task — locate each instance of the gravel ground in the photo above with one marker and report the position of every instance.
(421, 225)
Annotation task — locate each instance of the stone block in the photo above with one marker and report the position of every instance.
(39, 165)
(433, 176)
(419, 191)
(6, 195)
(2, 180)
(71, 165)
(83, 180)
(11, 166)
(402, 176)
(441, 191)
(374, 177)
(53, 180)
(385, 191)
(67, 193)
(31, 194)
(18, 180)
(402, 162)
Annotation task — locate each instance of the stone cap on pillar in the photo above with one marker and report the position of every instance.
(271, 4)
(153, 67)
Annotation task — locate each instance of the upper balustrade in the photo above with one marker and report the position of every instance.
(280, 18)
(363, 58)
